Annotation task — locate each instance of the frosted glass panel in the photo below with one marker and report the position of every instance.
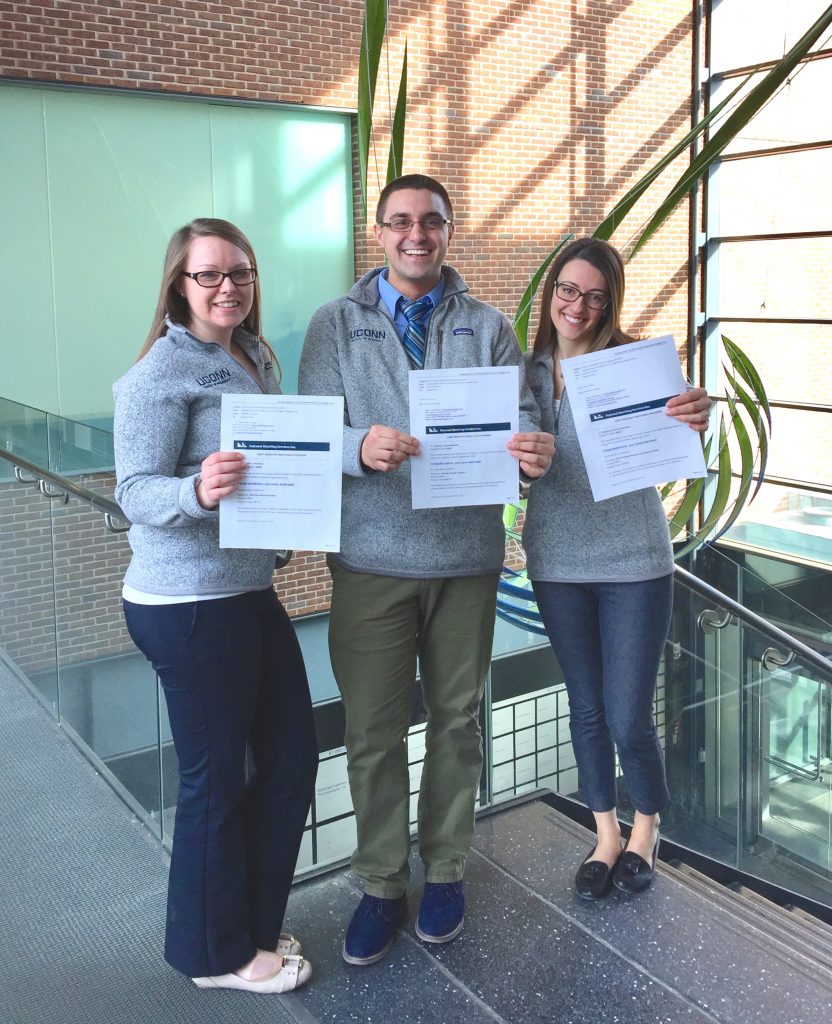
(100, 183)
(287, 178)
(27, 327)
(124, 175)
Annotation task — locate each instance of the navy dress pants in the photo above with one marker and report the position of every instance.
(234, 681)
(609, 639)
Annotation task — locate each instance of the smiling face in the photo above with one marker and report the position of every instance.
(215, 312)
(575, 322)
(415, 257)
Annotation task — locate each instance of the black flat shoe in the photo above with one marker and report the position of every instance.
(632, 873)
(594, 878)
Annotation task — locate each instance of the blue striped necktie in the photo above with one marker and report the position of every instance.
(415, 311)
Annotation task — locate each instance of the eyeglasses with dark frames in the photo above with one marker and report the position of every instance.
(401, 223)
(569, 293)
(214, 278)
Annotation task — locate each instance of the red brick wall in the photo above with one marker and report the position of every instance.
(536, 115)
(27, 602)
(61, 572)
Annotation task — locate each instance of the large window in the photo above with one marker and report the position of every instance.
(769, 249)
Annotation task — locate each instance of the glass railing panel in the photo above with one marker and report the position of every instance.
(747, 744)
(27, 591)
(78, 447)
(790, 774)
(793, 813)
(794, 595)
(529, 744)
(699, 720)
(526, 710)
(61, 445)
(23, 431)
(108, 692)
(795, 524)
(748, 750)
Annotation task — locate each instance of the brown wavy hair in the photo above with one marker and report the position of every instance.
(172, 303)
(608, 261)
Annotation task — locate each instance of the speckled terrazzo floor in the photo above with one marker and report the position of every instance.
(532, 952)
(82, 903)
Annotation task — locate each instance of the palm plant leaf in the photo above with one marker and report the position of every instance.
(686, 507)
(720, 493)
(395, 160)
(372, 38)
(754, 413)
(746, 471)
(745, 368)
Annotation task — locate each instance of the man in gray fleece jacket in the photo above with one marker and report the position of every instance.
(410, 583)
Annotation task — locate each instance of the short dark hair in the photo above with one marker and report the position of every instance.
(416, 181)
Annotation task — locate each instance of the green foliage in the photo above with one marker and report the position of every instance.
(396, 158)
(745, 420)
(372, 37)
(373, 34)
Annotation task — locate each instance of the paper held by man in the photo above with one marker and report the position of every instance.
(617, 397)
(463, 419)
(290, 496)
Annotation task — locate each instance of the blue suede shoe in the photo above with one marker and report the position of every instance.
(370, 933)
(442, 912)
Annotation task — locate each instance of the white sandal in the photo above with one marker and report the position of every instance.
(295, 972)
(288, 945)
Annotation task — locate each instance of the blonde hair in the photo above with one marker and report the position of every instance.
(172, 303)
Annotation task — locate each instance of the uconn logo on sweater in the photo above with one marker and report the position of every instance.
(210, 380)
(368, 332)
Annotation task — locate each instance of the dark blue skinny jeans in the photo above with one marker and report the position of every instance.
(608, 639)
(234, 680)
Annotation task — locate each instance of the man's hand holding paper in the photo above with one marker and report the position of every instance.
(464, 419)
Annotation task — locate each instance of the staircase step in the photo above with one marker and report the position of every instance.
(813, 924)
(762, 913)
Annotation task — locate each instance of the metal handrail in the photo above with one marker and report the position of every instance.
(53, 485)
(804, 654)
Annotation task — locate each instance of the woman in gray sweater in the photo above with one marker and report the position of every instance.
(208, 620)
(602, 576)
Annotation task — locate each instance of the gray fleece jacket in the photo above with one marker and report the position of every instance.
(570, 537)
(352, 349)
(167, 420)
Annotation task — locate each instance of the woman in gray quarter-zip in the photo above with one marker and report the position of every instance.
(209, 621)
(602, 576)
